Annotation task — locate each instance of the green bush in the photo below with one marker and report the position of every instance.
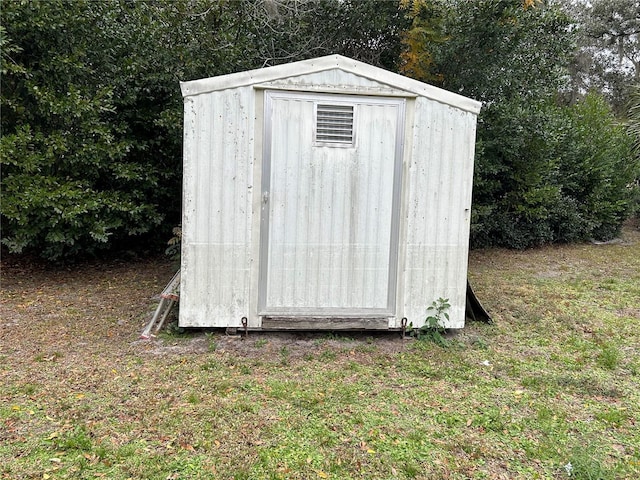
(598, 168)
(92, 112)
(72, 178)
(91, 121)
(549, 173)
(544, 172)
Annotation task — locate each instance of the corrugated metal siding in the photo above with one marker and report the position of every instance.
(438, 192)
(330, 212)
(219, 273)
(217, 196)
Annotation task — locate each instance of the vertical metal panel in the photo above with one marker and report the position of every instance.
(330, 240)
(438, 211)
(216, 253)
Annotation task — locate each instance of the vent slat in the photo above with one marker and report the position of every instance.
(336, 133)
(345, 121)
(334, 129)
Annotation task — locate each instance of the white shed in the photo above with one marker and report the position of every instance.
(325, 193)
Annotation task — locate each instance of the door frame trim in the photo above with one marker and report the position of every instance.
(390, 309)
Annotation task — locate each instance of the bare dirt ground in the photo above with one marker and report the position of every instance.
(66, 313)
(74, 311)
(79, 310)
(91, 306)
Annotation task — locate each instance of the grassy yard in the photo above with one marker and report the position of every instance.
(551, 390)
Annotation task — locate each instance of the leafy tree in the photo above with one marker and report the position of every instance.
(425, 29)
(503, 49)
(367, 30)
(634, 119)
(92, 113)
(508, 55)
(633, 128)
(540, 176)
(66, 182)
(608, 57)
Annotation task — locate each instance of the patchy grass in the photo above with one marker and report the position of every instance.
(551, 390)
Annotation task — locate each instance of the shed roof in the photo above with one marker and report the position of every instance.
(330, 62)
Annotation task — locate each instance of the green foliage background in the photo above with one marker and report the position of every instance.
(546, 170)
(92, 113)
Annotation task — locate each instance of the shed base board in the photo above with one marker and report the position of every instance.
(324, 323)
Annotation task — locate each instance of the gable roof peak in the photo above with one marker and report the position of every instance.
(329, 62)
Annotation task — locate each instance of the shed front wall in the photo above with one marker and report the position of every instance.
(221, 204)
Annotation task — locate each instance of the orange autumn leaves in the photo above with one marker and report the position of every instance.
(417, 60)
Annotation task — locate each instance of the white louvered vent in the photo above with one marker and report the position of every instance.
(334, 125)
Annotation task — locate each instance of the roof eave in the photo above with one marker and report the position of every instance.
(305, 67)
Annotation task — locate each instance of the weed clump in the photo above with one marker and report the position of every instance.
(433, 329)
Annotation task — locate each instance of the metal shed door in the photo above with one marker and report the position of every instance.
(330, 201)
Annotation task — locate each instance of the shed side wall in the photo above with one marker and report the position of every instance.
(217, 208)
(438, 195)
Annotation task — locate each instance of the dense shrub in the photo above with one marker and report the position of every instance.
(73, 179)
(598, 168)
(545, 172)
(92, 112)
(566, 176)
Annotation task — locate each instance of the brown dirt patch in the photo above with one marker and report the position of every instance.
(67, 313)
